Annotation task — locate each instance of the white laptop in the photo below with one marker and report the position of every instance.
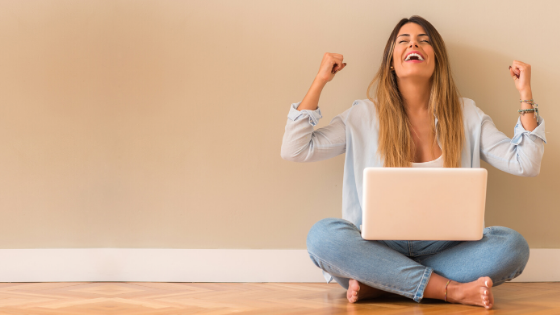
(403, 203)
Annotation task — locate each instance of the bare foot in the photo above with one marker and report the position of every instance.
(359, 291)
(478, 292)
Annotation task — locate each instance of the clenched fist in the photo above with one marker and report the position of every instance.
(521, 74)
(331, 64)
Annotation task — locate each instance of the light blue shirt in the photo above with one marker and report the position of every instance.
(355, 132)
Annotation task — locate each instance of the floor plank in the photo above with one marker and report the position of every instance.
(150, 298)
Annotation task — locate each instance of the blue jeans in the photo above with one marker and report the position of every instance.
(405, 267)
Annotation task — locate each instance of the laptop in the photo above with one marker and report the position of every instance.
(403, 203)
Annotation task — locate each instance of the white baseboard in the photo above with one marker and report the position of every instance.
(195, 265)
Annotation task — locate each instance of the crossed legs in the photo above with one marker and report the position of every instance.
(371, 268)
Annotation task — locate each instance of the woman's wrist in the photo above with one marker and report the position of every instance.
(528, 119)
(526, 95)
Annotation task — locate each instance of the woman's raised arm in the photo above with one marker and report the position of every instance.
(301, 143)
(520, 155)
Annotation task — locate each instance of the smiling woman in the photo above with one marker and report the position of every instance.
(411, 91)
(416, 116)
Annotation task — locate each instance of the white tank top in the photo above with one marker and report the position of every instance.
(435, 163)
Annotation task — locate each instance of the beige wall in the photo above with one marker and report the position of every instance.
(159, 123)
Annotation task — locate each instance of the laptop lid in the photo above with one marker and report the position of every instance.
(403, 203)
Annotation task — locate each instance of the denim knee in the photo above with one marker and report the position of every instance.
(317, 234)
(515, 249)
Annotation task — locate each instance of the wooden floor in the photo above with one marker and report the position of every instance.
(149, 298)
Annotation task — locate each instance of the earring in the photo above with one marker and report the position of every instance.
(392, 68)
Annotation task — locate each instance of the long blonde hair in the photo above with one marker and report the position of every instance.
(396, 145)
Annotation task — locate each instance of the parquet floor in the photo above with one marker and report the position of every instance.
(150, 298)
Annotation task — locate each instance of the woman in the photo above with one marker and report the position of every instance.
(417, 119)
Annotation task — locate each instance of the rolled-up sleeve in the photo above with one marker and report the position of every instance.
(521, 155)
(301, 143)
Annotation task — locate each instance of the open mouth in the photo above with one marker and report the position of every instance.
(414, 56)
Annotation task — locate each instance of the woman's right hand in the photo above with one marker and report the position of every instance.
(331, 64)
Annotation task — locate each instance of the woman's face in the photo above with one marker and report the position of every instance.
(413, 38)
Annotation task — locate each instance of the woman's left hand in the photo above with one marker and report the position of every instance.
(521, 74)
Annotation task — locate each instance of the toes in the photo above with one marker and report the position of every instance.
(487, 281)
(491, 300)
(353, 289)
(487, 291)
(354, 285)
